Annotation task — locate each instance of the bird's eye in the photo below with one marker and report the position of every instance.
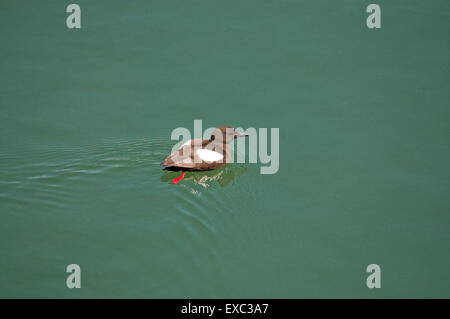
(212, 137)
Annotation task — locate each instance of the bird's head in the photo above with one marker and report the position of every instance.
(225, 134)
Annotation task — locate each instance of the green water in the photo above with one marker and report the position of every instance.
(86, 117)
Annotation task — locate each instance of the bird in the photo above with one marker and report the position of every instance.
(203, 155)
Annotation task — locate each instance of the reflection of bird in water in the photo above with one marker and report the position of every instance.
(204, 180)
(222, 176)
(203, 155)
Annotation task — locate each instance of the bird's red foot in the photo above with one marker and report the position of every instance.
(176, 180)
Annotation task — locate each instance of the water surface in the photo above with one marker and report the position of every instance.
(86, 117)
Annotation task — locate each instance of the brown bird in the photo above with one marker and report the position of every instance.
(203, 155)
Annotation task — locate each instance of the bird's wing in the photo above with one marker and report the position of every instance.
(184, 156)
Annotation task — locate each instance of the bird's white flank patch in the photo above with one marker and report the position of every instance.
(209, 156)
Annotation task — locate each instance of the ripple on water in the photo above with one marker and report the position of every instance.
(200, 206)
(47, 176)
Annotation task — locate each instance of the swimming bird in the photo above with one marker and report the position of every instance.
(203, 155)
